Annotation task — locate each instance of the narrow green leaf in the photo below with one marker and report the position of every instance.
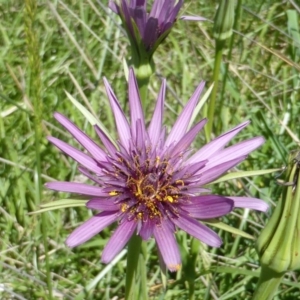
(228, 228)
(243, 174)
(92, 120)
(59, 204)
(200, 105)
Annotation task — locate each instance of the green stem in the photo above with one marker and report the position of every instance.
(191, 290)
(143, 88)
(134, 248)
(211, 105)
(191, 267)
(267, 284)
(35, 94)
(231, 43)
(143, 72)
(143, 273)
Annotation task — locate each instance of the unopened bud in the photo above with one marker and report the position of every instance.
(224, 19)
(278, 245)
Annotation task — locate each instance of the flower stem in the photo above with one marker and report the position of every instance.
(143, 68)
(143, 88)
(236, 27)
(134, 250)
(143, 272)
(211, 105)
(267, 284)
(191, 267)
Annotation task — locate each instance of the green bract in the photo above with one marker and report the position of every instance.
(279, 243)
(224, 20)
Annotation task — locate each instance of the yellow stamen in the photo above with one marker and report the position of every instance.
(179, 182)
(124, 207)
(113, 193)
(169, 198)
(174, 267)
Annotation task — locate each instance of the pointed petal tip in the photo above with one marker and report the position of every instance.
(261, 140)
(49, 138)
(90, 228)
(167, 246)
(192, 18)
(118, 240)
(174, 268)
(131, 73)
(70, 243)
(55, 114)
(106, 83)
(198, 230)
(200, 87)
(104, 261)
(250, 203)
(218, 245)
(62, 119)
(49, 185)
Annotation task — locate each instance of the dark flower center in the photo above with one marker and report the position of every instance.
(153, 191)
(152, 188)
(149, 185)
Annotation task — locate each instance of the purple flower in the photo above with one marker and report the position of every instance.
(150, 28)
(151, 183)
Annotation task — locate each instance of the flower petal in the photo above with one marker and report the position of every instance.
(188, 138)
(147, 228)
(167, 245)
(136, 111)
(209, 206)
(154, 128)
(76, 188)
(109, 146)
(235, 151)
(90, 175)
(249, 202)
(198, 230)
(182, 122)
(104, 204)
(140, 18)
(120, 119)
(81, 137)
(140, 137)
(174, 12)
(216, 171)
(77, 155)
(90, 228)
(189, 170)
(118, 240)
(156, 8)
(113, 6)
(150, 34)
(125, 14)
(215, 145)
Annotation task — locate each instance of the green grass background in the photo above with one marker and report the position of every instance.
(69, 46)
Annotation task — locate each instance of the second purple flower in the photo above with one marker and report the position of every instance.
(146, 29)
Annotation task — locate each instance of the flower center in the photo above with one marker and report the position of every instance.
(152, 192)
(149, 186)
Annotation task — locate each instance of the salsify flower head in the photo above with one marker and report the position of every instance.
(146, 30)
(149, 181)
